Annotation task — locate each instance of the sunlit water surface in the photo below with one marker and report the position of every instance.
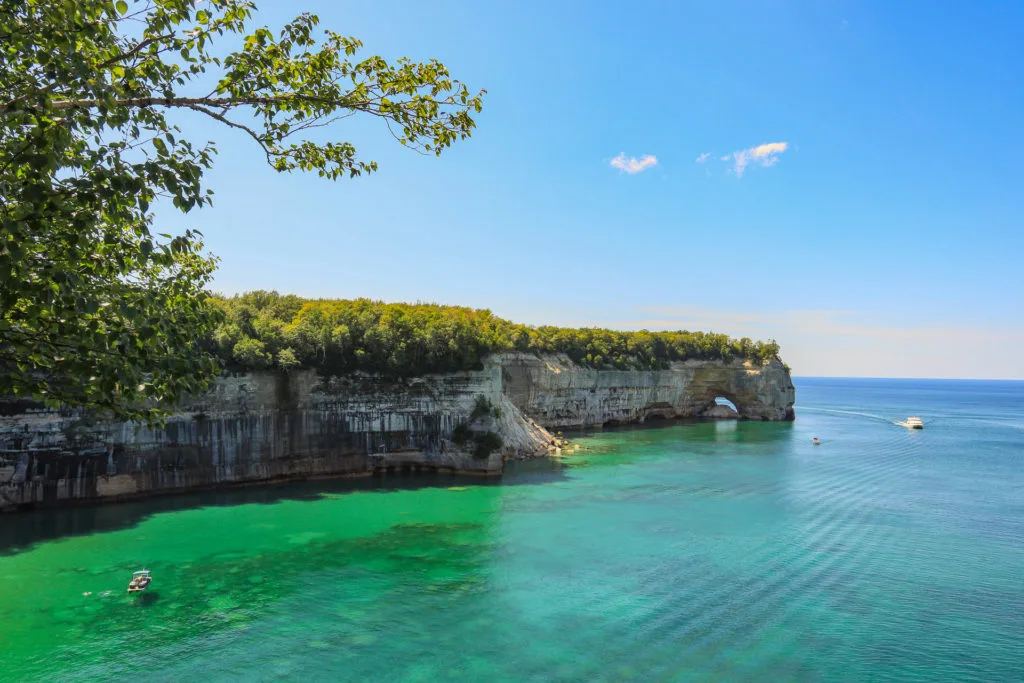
(702, 551)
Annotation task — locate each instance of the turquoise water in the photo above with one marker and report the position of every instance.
(701, 551)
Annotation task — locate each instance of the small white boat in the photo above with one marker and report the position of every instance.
(815, 441)
(140, 581)
(912, 423)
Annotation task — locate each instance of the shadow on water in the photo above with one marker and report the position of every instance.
(20, 531)
(147, 599)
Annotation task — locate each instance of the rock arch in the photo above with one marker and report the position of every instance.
(758, 392)
(721, 408)
(559, 394)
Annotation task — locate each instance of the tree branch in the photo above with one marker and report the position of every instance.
(134, 51)
(366, 106)
(228, 122)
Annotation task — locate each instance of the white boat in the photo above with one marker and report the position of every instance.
(140, 581)
(912, 423)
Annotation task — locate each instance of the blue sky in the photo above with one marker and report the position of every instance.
(872, 226)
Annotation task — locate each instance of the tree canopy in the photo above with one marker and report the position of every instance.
(97, 309)
(262, 330)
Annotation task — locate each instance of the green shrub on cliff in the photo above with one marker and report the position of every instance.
(483, 407)
(461, 434)
(251, 353)
(486, 443)
(286, 359)
(342, 336)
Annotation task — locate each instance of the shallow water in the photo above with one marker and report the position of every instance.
(700, 551)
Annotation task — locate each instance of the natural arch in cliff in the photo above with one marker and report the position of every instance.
(758, 391)
(723, 401)
(721, 408)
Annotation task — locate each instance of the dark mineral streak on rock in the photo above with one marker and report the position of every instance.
(265, 427)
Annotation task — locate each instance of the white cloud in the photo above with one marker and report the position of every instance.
(762, 155)
(633, 165)
(703, 157)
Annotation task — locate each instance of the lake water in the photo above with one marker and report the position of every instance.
(700, 551)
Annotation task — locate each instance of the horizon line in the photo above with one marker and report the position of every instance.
(934, 379)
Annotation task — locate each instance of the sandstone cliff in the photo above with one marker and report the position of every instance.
(268, 426)
(559, 394)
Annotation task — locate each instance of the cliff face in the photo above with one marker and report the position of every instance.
(269, 427)
(559, 394)
(261, 427)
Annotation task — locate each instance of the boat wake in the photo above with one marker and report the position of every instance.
(849, 412)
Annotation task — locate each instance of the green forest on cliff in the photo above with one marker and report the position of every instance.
(262, 330)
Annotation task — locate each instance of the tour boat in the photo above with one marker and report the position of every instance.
(912, 423)
(815, 441)
(140, 581)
